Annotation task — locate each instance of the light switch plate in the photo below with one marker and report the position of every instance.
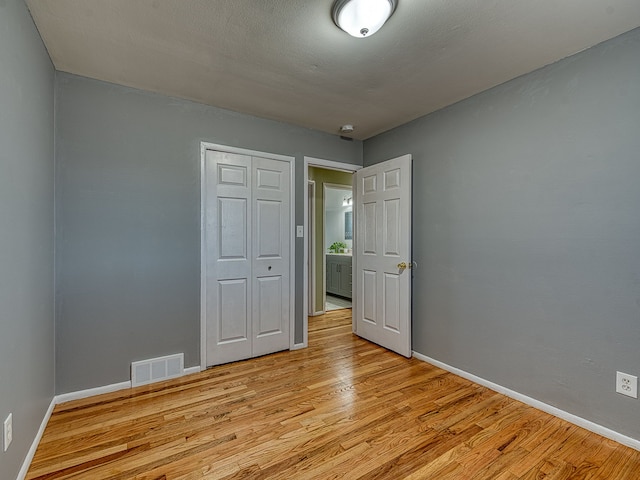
(300, 231)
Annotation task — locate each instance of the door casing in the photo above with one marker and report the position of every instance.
(310, 232)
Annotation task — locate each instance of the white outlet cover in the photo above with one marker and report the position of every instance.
(8, 432)
(627, 384)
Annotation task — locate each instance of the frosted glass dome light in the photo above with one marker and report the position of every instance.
(362, 18)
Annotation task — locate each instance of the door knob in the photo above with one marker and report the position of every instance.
(402, 265)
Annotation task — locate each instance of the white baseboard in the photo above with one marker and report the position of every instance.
(569, 417)
(299, 346)
(67, 397)
(91, 392)
(190, 370)
(22, 474)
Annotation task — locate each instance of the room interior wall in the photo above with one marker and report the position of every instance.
(128, 221)
(26, 231)
(526, 232)
(322, 176)
(335, 215)
(335, 223)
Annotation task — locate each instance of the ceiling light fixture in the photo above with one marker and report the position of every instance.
(362, 18)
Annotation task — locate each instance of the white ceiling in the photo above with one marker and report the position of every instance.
(286, 60)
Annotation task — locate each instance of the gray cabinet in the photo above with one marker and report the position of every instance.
(339, 275)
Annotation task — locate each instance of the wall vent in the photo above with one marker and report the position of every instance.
(157, 369)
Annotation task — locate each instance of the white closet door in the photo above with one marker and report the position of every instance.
(271, 232)
(229, 282)
(247, 236)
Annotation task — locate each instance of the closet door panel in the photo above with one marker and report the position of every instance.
(271, 222)
(228, 213)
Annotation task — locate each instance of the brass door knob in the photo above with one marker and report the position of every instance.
(402, 265)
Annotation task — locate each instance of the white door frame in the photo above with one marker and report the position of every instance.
(310, 232)
(204, 146)
(329, 165)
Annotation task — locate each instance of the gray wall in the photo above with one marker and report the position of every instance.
(26, 231)
(128, 221)
(526, 214)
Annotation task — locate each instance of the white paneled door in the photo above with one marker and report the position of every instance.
(247, 244)
(382, 293)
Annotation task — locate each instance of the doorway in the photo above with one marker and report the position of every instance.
(337, 231)
(314, 290)
(383, 266)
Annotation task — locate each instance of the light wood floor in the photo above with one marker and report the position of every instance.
(343, 408)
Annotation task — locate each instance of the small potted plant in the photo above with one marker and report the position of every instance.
(338, 247)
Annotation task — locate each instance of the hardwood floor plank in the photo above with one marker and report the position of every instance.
(342, 408)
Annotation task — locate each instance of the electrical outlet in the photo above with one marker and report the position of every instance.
(627, 384)
(8, 431)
